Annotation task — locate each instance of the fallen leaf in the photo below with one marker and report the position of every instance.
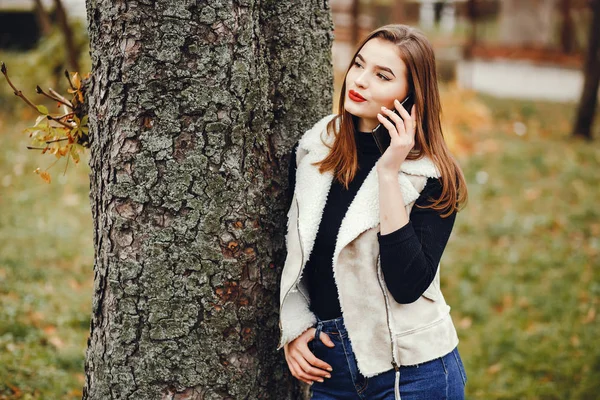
(494, 369)
(56, 342)
(591, 316)
(465, 323)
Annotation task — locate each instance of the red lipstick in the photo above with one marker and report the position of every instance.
(355, 96)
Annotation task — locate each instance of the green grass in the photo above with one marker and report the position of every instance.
(520, 271)
(521, 267)
(46, 270)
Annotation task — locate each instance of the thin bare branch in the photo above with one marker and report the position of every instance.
(50, 117)
(15, 90)
(63, 100)
(57, 140)
(53, 97)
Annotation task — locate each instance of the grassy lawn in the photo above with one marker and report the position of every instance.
(520, 271)
(46, 270)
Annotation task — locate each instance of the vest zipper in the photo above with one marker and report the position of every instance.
(387, 314)
(299, 272)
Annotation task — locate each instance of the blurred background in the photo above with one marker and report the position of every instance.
(520, 270)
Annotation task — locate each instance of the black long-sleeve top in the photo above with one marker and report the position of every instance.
(409, 255)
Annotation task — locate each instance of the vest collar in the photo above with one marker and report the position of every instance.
(312, 189)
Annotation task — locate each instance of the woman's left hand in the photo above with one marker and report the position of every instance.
(402, 133)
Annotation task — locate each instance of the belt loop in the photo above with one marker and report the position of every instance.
(444, 365)
(318, 330)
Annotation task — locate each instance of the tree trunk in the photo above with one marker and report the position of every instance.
(589, 95)
(567, 29)
(527, 23)
(398, 12)
(472, 39)
(355, 23)
(193, 110)
(65, 27)
(42, 17)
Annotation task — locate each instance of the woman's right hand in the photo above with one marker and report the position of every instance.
(302, 362)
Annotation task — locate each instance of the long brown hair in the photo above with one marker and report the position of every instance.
(417, 54)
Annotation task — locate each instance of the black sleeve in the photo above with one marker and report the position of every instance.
(291, 177)
(410, 255)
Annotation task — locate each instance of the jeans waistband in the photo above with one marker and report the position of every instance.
(332, 325)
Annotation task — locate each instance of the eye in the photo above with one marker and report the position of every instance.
(357, 64)
(385, 78)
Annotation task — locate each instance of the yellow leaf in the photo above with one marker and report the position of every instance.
(45, 176)
(74, 154)
(41, 108)
(76, 80)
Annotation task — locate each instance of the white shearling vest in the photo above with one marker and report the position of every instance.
(384, 334)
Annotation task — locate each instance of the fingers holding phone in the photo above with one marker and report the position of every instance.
(401, 128)
(407, 112)
(402, 118)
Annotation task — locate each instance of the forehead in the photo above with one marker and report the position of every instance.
(383, 52)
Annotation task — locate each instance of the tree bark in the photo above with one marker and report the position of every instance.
(589, 96)
(193, 110)
(41, 15)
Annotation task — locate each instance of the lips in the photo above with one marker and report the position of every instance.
(356, 97)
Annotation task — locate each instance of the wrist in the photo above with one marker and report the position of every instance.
(387, 174)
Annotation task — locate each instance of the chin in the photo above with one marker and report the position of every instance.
(355, 110)
(360, 113)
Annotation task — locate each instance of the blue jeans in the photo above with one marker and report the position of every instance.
(441, 378)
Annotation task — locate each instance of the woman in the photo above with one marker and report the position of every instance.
(361, 311)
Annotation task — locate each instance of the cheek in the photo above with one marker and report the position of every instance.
(349, 80)
(386, 96)
(384, 99)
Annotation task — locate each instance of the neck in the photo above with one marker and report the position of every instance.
(367, 124)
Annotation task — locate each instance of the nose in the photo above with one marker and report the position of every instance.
(360, 80)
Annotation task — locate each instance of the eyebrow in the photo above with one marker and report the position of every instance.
(377, 66)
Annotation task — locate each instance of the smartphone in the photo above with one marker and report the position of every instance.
(381, 134)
